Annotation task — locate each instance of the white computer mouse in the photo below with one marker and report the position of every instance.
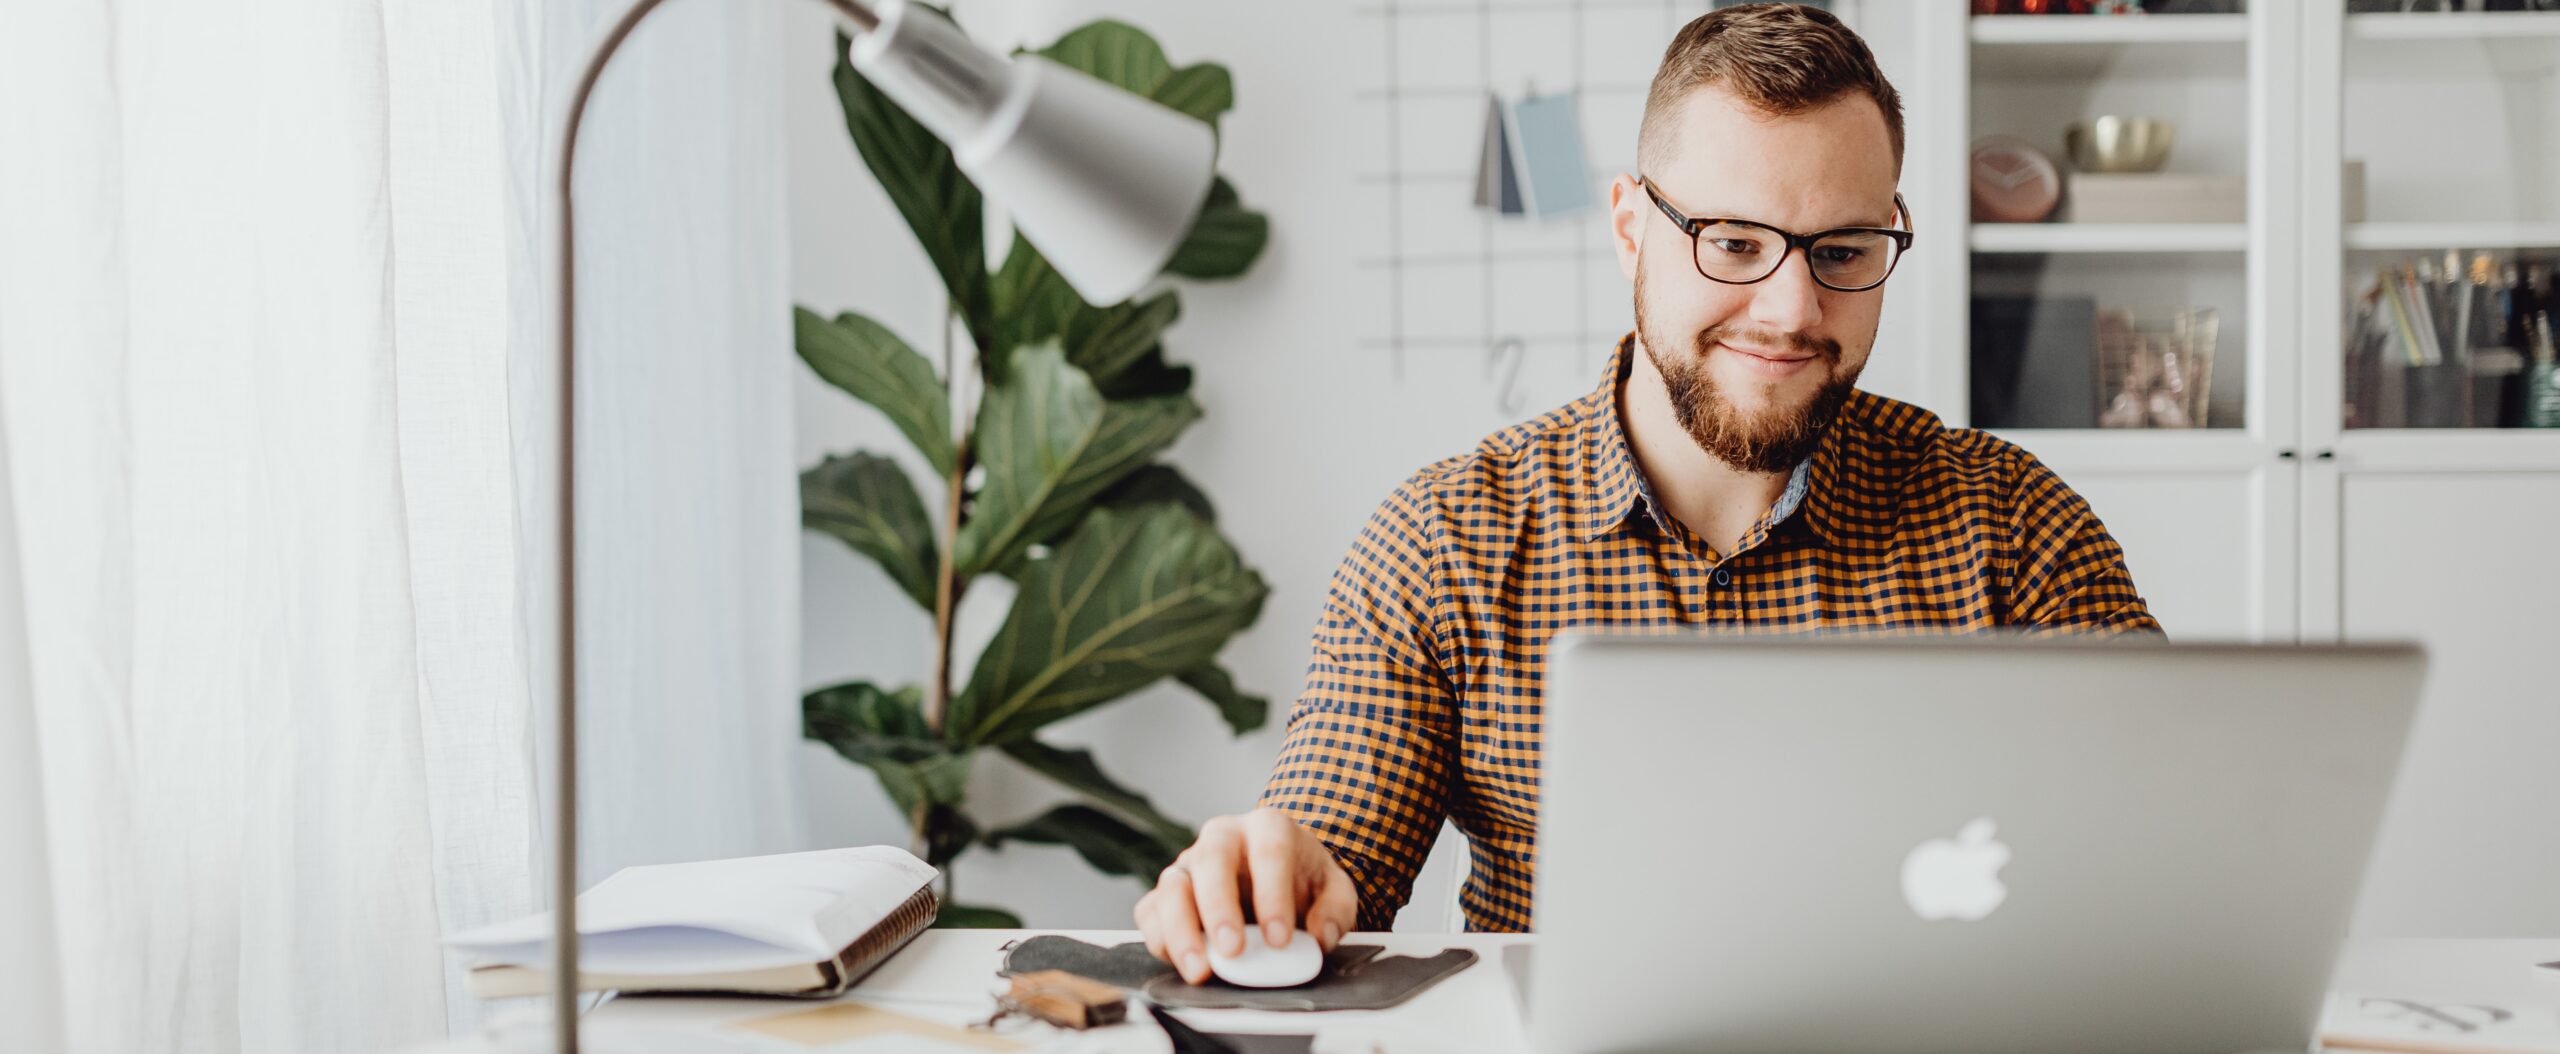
(1262, 966)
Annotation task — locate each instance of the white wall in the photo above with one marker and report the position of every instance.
(1305, 429)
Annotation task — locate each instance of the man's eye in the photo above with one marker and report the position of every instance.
(1840, 255)
(1734, 246)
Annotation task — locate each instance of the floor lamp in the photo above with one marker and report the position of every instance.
(1104, 183)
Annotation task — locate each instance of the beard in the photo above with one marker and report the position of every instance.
(1770, 441)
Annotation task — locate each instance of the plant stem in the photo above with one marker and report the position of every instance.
(946, 597)
(947, 585)
(918, 842)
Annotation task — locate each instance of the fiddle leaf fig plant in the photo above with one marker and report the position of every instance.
(1121, 577)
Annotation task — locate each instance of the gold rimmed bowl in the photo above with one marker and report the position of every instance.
(2119, 144)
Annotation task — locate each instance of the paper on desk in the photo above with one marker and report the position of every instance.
(2437, 1026)
(715, 916)
(856, 1028)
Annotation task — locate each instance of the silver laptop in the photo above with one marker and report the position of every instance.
(1986, 845)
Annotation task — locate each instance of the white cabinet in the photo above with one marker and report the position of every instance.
(2465, 562)
(2342, 491)
(2440, 528)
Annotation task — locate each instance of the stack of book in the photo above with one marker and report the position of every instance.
(802, 924)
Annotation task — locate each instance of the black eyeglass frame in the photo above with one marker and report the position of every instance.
(1901, 240)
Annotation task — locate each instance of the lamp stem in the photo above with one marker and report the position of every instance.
(564, 810)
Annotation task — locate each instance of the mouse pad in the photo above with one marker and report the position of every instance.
(1355, 976)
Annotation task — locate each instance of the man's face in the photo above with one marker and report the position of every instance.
(1757, 372)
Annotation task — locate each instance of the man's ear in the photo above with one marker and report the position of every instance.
(1627, 206)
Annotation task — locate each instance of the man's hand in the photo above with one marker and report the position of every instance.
(1262, 859)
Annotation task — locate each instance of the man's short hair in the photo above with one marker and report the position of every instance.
(1780, 59)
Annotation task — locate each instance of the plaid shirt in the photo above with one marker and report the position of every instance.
(1423, 695)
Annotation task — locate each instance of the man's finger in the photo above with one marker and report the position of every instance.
(1212, 863)
(1271, 853)
(1180, 926)
(1147, 928)
(1336, 910)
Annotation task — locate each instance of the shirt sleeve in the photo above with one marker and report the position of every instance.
(1369, 759)
(2068, 574)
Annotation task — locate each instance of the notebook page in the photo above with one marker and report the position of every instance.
(719, 915)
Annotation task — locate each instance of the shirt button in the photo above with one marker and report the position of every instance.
(1723, 577)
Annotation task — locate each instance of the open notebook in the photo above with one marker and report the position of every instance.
(808, 924)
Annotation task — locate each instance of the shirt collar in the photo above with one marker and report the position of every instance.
(1614, 487)
(1611, 485)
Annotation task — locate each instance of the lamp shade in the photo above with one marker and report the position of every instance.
(1104, 183)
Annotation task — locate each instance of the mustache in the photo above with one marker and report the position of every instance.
(1825, 347)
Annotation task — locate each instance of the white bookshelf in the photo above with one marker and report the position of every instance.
(2492, 25)
(2110, 237)
(2051, 30)
(2425, 236)
(2436, 46)
(2049, 48)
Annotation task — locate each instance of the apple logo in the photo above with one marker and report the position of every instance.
(1959, 878)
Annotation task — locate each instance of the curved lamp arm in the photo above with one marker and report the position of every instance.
(1105, 184)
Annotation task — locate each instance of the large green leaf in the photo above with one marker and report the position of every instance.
(1127, 598)
(1157, 484)
(1050, 443)
(1105, 343)
(1114, 52)
(1224, 241)
(1121, 54)
(1205, 91)
(1112, 847)
(1034, 304)
(973, 917)
(916, 169)
(1242, 712)
(867, 501)
(885, 732)
(1151, 376)
(871, 364)
(1076, 769)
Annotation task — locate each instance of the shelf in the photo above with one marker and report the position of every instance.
(2487, 25)
(2502, 43)
(2086, 47)
(2002, 30)
(2428, 237)
(2110, 237)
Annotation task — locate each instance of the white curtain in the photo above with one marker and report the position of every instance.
(30, 990)
(276, 405)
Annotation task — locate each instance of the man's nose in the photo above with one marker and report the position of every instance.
(1789, 301)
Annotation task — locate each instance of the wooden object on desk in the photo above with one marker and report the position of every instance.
(1066, 1000)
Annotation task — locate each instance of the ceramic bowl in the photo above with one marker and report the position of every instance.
(2119, 144)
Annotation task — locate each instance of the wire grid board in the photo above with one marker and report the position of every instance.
(1531, 306)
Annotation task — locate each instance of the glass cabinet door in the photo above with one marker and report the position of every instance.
(2448, 215)
(2110, 245)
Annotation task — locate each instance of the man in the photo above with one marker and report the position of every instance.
(1725, 473)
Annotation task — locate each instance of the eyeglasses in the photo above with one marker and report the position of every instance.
(1740, 252)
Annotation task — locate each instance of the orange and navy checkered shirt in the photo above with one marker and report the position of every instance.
(1422, 700)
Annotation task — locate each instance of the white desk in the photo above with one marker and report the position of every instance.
(949, 976)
